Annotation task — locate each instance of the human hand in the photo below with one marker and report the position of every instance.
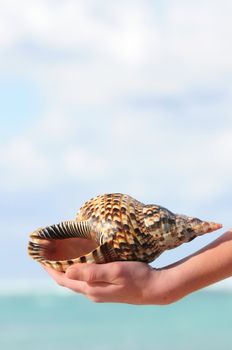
(123, 282)
(138, 283)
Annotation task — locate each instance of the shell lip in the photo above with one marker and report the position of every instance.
(46, 248)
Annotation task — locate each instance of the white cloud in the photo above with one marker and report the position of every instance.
(118, 47)
(117, 53)
(53, 126)
(23, 166)
(82, 164)
(143, 155)
(43, 156)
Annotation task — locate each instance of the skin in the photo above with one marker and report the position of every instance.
(138, 283)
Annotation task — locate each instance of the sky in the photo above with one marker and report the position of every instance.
(96, 97)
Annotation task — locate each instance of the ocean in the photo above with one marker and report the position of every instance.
(67, 321)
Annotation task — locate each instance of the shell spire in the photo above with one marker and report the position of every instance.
(196, 225)
(206, 227)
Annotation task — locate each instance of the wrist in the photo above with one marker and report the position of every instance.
(176, 281)
(166, 286)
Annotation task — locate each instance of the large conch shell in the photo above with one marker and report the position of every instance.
(114, 227)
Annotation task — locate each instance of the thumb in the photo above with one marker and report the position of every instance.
(90, 273)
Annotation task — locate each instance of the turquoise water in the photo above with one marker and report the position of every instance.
(57, 322)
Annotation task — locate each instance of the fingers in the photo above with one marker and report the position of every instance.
(97, 292)
(55, 275)
(76, 286)
(111, 282)
(92, 273)
(102, 292)
(61, 279)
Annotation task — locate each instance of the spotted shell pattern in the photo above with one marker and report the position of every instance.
(124, 230)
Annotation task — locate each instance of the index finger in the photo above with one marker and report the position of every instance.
(92, 272)
(55, 275)
(61, 279)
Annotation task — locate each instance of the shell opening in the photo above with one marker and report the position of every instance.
(64, 241)
(61, 249)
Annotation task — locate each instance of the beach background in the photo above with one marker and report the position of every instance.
(104, 96)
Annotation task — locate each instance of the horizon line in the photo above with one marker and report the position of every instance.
(41, 286)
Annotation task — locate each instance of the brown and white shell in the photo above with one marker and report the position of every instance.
(114, 227)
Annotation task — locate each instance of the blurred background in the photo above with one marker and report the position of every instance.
(103, 96)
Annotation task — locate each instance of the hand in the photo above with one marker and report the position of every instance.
(138, 283)
(124, 282)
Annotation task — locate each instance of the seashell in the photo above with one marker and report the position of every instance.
(114, 227)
